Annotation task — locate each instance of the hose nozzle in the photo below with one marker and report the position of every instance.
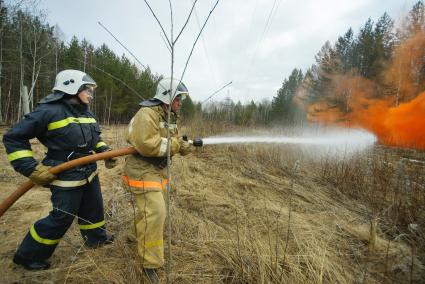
(197, 142)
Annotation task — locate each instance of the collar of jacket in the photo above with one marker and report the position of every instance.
(75, 107)
(164, 114)
(56, 96)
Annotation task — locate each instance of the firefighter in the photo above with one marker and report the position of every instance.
(62, 123)
(145, 172)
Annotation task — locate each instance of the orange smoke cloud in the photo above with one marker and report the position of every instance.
(396, 115)
(405, 124)
(402, 126)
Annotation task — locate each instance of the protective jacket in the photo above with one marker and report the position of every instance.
(68, 131)
(144, 174)
(147, 133)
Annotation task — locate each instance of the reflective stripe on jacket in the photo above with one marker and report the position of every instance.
(62, 128)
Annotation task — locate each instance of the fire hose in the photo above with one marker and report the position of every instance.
(8, 202)
(11, 199)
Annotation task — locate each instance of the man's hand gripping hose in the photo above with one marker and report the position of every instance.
(197, 142)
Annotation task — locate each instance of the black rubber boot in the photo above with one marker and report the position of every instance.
(31, 264)
(109, 240)
(151, 275)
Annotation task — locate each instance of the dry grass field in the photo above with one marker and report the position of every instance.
(248, 214)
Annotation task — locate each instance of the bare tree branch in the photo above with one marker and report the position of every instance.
(172, 23)
(169, 252)
(172, 45)
(196, 40)
(159, 23)
(187, 20)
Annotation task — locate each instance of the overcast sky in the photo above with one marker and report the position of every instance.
(254, 43)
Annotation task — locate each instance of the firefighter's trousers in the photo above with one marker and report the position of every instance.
(149, 223)
(83, 201)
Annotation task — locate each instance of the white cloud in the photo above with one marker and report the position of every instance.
(282, 40)
(239, 45)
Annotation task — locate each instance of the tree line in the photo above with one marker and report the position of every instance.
(32, 52)
(374, 57)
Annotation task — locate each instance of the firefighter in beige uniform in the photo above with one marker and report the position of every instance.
(145, 172)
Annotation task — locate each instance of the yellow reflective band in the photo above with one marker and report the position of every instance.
(68, 120)
(92, 226)
(100, 144)
(163, 124)
(73, 183)
(152, 244)
(19, 155)
(39, 239)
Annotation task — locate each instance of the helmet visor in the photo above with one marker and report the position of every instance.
(88, 80)
(181, 88)
(182, 91)
(88, 88)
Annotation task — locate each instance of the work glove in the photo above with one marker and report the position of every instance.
(185, 147)
(41, 175)
(111, 163)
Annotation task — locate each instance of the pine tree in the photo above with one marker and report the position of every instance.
(282, 104)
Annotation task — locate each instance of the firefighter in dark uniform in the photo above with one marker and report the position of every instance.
(62, 123)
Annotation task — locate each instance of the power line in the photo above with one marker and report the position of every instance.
(197, 37)
(259, 42)
(204, 45)
(260, 39)
(217, 92)
(113, 77)
(117, 40)
(165, 41)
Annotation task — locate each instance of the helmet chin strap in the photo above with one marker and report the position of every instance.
(76, 100)
(165, 108)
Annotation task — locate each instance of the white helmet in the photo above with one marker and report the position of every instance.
(70, 81)
(164, 94)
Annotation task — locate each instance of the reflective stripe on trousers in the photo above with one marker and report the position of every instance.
(146, 185)
(41, 240)
(85, 202)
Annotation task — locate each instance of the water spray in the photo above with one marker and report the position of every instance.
(347, 140)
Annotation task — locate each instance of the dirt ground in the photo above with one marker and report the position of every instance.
(239, 215)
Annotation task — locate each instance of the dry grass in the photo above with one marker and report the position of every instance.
(241, 214)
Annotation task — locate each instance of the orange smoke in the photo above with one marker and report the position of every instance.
(405, 124)
(395, 113)
(402, 126)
